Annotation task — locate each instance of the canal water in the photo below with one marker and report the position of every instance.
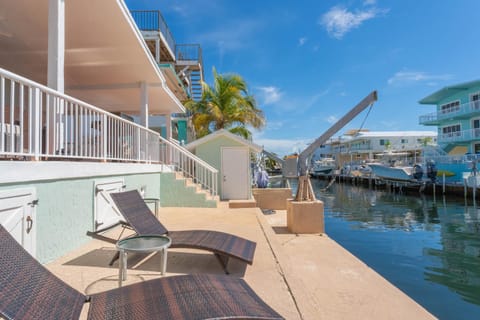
(429, 248)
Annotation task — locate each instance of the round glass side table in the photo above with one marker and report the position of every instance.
(141, 244)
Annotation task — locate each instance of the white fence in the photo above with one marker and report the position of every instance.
(38, 123)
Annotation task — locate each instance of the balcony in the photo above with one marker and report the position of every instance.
(186, 59)
(462, 111)
(460, 136)
(153, 21)
(41, 124)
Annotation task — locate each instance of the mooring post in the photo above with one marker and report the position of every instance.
(443, 183)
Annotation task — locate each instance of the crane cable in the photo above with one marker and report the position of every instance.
(365, 119)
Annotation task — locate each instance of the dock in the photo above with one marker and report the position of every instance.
(303, 277)
(456, 191)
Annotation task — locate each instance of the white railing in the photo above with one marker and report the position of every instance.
(465, 135)
(190, 165)
(39, 123)
(459, 110)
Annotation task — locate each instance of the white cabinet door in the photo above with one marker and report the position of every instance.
(17, 215)
(235, 179)
(106, 213)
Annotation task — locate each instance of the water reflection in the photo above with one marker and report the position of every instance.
(429, 249)
(460, 254)
(380, 210)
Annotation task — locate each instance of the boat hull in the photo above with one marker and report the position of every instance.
(392, 173)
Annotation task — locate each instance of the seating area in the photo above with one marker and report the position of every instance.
(30, 291)
(139, 217)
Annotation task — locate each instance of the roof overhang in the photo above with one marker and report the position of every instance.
(438, 96)
(225, 133)
(106, 58)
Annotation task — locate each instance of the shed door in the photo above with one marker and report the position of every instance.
(235, 179)
(105, 213)
(17, 215)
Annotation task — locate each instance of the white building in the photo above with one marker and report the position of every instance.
(366, 145)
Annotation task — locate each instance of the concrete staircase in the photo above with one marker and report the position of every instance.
(177, 191)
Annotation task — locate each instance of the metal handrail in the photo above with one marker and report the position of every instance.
(464, 135)
(459, 110)
(190, 165)
(40, 123)
(188, 52)
(152, 20)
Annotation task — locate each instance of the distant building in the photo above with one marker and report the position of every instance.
(365, 145)
(457, 117)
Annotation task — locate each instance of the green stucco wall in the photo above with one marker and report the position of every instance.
(463, 96)
(65, 211)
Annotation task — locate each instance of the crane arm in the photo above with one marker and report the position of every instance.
(303, 157)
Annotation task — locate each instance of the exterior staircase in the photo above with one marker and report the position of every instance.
(196, 79)
(178, 191)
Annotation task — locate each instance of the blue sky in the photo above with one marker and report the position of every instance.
(310, 62)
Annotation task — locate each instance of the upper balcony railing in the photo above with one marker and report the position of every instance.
(460, 136)
(462, 110)
(188, 53)
(39, 123)
(152, 20)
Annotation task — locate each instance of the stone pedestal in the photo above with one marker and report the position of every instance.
(272, 198)
(305, 217)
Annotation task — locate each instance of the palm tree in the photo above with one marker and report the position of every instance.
(226, 105)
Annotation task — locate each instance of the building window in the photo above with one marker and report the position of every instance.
(475, 101)
(476, 124)
(404, 141)
(476, 128)
(450, 107)
(451, 131)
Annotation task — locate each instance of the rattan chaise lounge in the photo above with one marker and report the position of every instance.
(29, 291)
(140, 218)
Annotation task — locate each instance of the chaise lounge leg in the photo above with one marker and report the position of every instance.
(115, 258)
(223, 259)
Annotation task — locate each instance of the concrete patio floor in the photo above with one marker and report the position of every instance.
(300, 276)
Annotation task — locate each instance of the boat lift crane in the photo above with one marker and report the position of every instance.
(305, 190)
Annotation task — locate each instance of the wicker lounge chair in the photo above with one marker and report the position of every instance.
(29, 291)
(139, 217)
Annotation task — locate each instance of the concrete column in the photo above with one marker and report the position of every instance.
(168, 125)
(144, 104)
(56, 44)
(55, 75)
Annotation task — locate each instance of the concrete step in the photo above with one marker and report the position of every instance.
(236, 204)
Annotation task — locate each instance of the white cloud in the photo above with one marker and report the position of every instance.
(332, 119)
(302, 41)
(409, 77)
(338, 21)
(270, 94)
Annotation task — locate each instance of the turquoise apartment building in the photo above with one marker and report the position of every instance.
(457, 117)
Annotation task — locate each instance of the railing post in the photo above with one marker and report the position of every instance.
(138, 144)
(104, 135)
(35, 124)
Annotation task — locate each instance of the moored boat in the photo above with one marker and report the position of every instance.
(323, 166)
(394, 173)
